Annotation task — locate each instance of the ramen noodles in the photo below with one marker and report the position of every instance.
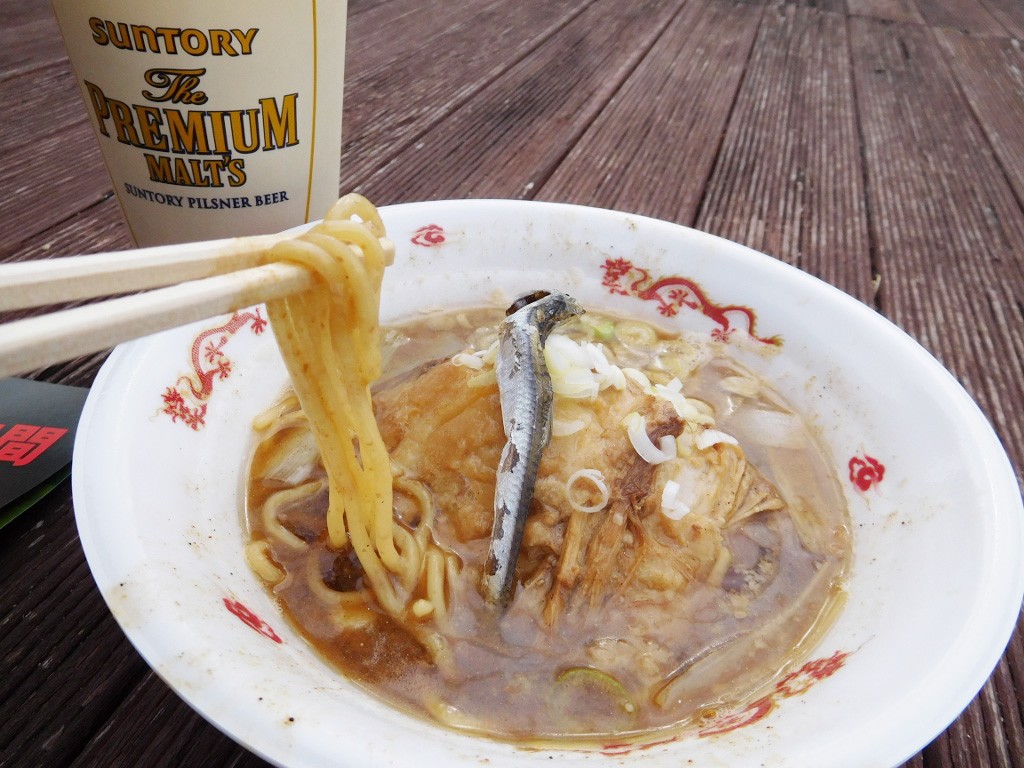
(686, 542)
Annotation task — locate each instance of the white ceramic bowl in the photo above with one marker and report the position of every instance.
(938, 569)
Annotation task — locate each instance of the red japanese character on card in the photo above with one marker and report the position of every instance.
(24, 443)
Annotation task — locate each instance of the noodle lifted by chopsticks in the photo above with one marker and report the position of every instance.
(330, 340)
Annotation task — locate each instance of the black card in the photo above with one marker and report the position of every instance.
(37, 432)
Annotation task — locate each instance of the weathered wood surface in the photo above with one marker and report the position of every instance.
(878, 144)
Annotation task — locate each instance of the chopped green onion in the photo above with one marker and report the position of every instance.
(587, 682)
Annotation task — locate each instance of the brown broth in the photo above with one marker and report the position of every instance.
(656, 646)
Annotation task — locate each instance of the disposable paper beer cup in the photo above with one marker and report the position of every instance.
(215, 119)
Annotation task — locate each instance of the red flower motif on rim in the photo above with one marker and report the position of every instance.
(429, 235)
(800, 681)
(251, 619)
(616, 750)
(793, 684)
(673, 293)
(730, 722)
(186, 400)
(866, 472)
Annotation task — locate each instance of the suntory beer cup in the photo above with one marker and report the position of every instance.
(215, 119)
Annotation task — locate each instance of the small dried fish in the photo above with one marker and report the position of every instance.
(526, 411)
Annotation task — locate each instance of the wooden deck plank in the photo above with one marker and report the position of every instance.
(1009, 684)
(831, 6)
(966, 15)
(54, 619)
(29, 37)
(506, 140)
(788, 178)
(419, 25)
(154, 728)
(96, 229)
(27, 11)
(1009, 13)
(443, 66)
(43, 193)
(620, 162)
(43, 102)
(968, 746)
(888, 10)
(361, 6)
(18, 52)
(936, 192)
(1002, 721)
(991, 73)
(40, 730)
(55, 558)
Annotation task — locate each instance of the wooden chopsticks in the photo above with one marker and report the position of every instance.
(54, 281)
(202, 279)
